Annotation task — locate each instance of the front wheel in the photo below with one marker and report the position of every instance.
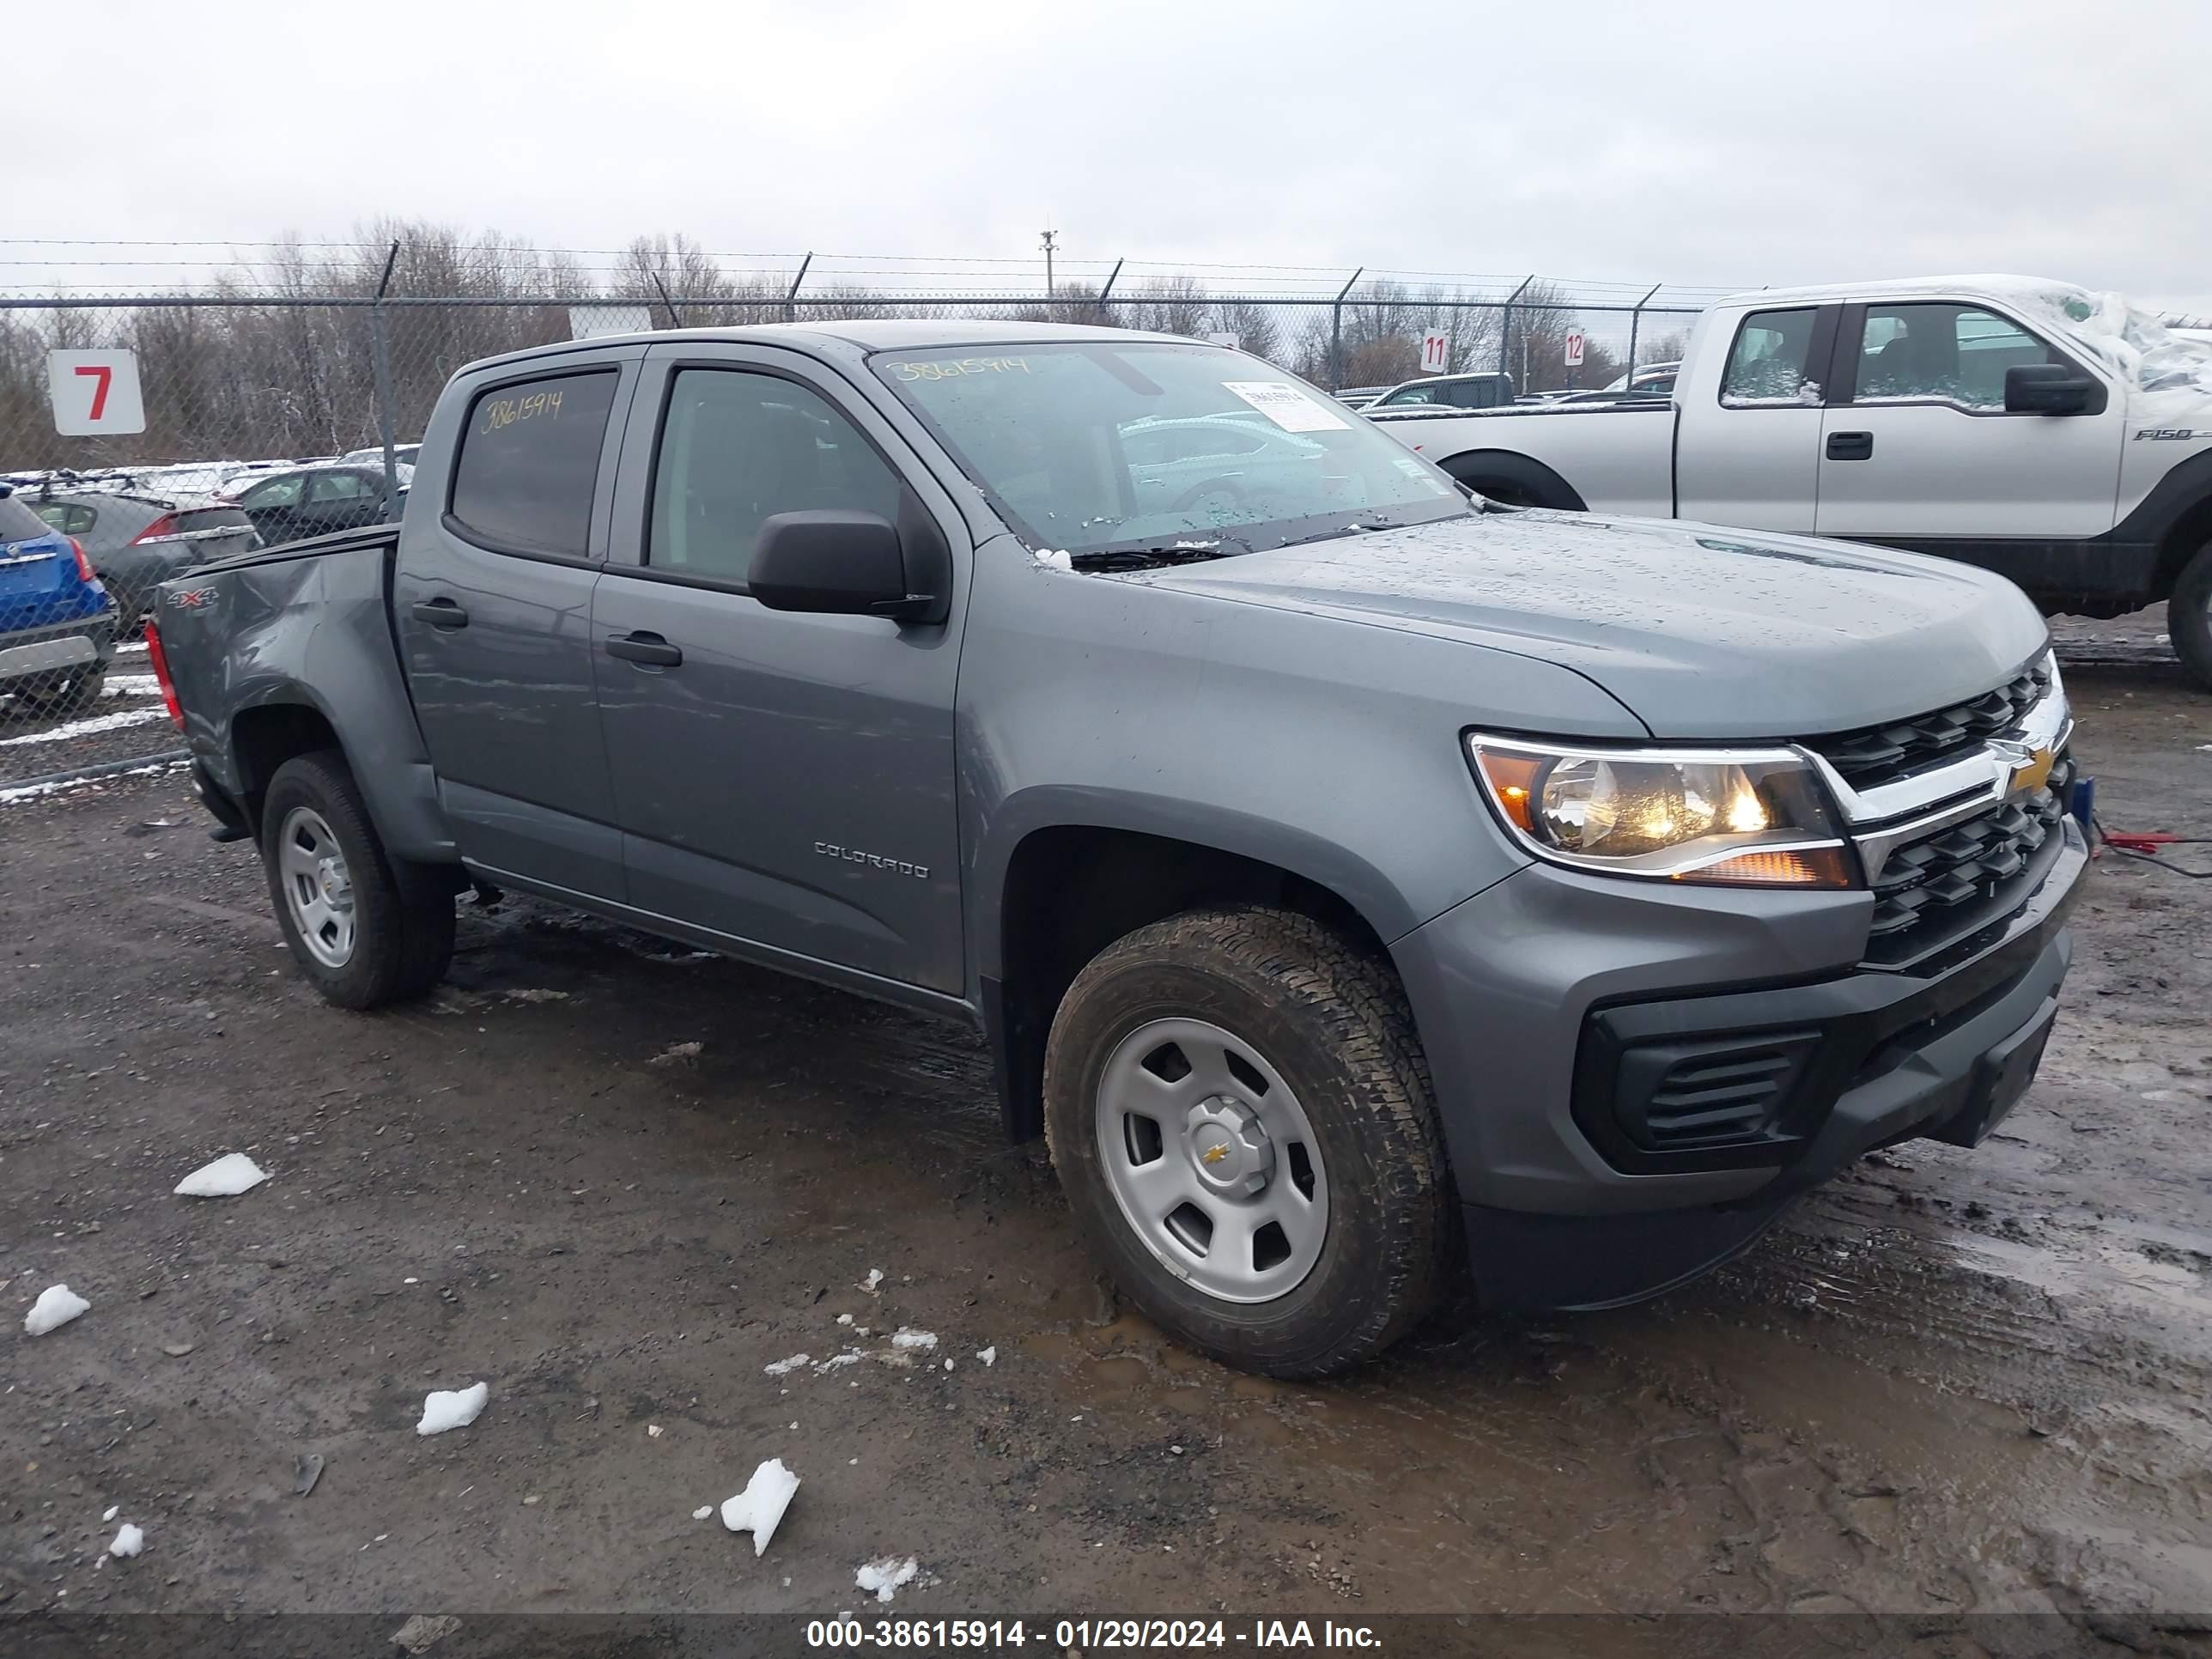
(1240, 1113)
(2189, 618)
(364, 932)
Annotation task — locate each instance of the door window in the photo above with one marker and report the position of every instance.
(1771, 362)
(529, 466)
(1473, 394)
(68, 518)
(337, 487)
(277, 492)
(1938, 350)
(737, 447)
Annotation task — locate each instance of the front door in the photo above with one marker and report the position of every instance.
(1918, 448)
(492, 599)
(783, 779)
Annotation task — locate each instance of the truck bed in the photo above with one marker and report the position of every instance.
(1620, 455)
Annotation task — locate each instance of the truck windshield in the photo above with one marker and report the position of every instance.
(1097, 447)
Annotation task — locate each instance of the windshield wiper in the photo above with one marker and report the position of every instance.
(1147, 559)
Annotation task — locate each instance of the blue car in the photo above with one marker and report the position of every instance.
(57, 621)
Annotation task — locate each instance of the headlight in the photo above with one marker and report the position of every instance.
(1741, 817)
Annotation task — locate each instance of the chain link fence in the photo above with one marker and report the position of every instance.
(144, 433)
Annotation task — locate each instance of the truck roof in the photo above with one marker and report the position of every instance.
(1986, 286)
(864, 335)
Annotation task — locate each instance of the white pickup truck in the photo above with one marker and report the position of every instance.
(2060, 437)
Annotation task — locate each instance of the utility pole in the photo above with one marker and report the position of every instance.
(1047, 246)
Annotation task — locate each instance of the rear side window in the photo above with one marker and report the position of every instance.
(18, 523)
(530, 463)
(1771, 362)
(67, 517)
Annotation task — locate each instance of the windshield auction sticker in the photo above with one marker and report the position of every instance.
(1287, 406)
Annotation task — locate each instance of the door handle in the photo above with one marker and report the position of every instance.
(1851, 445)
(439, 613)
(646, 648)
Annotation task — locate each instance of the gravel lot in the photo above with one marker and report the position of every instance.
(1951, 1382)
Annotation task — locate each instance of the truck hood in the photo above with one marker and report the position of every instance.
(1701, 631)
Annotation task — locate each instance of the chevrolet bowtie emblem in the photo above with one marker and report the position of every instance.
(2030, 768)
(1215, 1154)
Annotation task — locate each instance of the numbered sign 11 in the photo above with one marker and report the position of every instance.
(95, 392)
(1436, 350)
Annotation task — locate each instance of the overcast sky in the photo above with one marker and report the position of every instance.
(1699, 142)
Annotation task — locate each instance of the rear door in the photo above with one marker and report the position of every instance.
(1747, 451)
(783, 779)
(1919, 449)
(492, 601)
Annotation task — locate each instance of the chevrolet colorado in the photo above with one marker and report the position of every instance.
(1360, 885)
(2060, 437)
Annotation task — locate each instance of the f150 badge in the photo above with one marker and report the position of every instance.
(829, 849)
(2165, 434)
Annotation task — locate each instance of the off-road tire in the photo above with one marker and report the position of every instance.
(1333, 1019)
(403, 916)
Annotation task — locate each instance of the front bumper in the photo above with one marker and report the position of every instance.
(1553, 1005)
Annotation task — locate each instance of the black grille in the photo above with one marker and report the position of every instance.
(1877, 754)
(1934, 889)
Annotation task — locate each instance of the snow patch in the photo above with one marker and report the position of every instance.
(57, 1305)
(703, 1511)
(759, 1508)
(676, 1052)
(785, 1367)
(875, 1278)
(850, 1357)
(989, 1356)
(226, 1177)
(85, 728)
(454, 1408)
(907, 1337)
(1057, 559)
(882, 1576)
(130, 1540)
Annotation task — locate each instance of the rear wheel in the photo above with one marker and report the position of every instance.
(365, 932)
(2189, 618)
(1240, 1114)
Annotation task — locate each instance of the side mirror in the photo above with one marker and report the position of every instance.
(837, 563)
(2047, 389)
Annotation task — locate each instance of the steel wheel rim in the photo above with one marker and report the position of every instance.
(1212, 1160)
(318, 888)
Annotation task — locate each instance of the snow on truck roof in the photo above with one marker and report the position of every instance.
(1986, 286)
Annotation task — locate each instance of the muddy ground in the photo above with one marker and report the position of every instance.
(1950, 1382)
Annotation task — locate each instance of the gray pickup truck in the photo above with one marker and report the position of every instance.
(1368, 890)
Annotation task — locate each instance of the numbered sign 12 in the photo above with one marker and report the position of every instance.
(1436, 350)
(95, 392)
(1574, 349)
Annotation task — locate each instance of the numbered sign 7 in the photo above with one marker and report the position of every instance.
(95, 391)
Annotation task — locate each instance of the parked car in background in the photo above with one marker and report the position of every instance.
(136, 538)
(2060, 437)
(310, 500)
(1655, 380)
(1359, 396)
(402, 454)
(1209, 465)
(56, 622)
(1478, 391)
